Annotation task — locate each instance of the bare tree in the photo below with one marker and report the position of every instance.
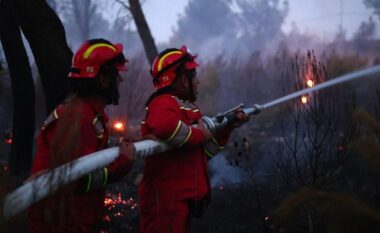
(81, 12)
(315, 136)
(22, 91)
(80, 15)
(317, 132)
(134, 7)
(46, 36)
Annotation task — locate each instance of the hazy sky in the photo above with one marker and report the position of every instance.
(320, 17)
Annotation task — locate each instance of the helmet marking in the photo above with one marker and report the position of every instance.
(88, 51)
(160, 63)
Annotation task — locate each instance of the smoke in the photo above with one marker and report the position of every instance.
(238, 28)
(373, 4)
(87, 19)
(231, 28)
(223, 173)
(364, 35)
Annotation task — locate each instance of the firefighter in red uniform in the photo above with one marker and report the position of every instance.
(77, 127)
(175, 184)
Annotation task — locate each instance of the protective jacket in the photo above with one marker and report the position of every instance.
(173, 179)
(74, 129)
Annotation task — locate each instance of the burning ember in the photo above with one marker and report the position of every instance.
(304, 99)
(310, 83)
(112, 202)
(120, 212)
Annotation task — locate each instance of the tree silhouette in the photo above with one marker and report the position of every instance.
(146, 37)
(373, 4)
(20, 157)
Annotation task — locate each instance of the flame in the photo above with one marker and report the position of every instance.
(304, 99)
(119, 126)
(310, 83)
(108, 201)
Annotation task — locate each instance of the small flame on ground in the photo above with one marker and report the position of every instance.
(310, 83)
(304, 99)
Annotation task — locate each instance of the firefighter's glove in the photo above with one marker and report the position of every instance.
(127, 149)
(241, 118)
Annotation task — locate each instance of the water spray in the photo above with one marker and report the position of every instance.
(48, 183)
(221, 120)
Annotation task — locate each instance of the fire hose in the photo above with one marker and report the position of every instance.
(44, 185)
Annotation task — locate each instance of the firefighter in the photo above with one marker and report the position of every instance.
(175, 185)
(78, 127)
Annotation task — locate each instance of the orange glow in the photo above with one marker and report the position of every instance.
(119, 126)
(310, 83)
(108, 201)
(304, 99)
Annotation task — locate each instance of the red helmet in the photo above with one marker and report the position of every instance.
(166, 63)
(95, 53)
